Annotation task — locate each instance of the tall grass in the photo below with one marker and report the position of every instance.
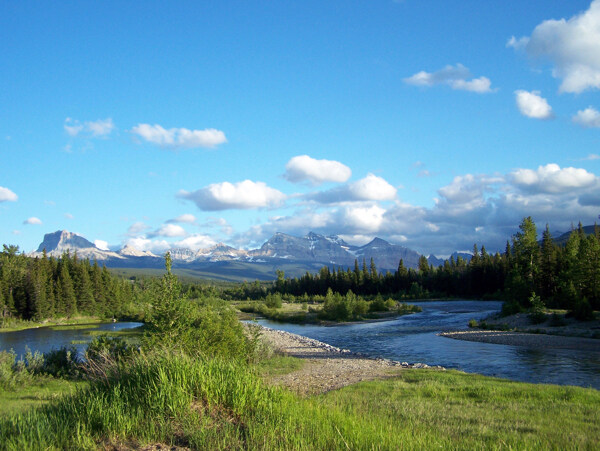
(213, 404)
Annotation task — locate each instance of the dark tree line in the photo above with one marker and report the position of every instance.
(563, 276)
(46, 287)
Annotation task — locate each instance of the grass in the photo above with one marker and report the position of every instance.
(12, 324)
(211, 404)
(75, 327)
(278, 365)
(40, 391)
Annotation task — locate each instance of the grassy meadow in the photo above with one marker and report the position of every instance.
(217, 404)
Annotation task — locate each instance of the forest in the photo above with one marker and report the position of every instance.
(528, 271)
(40, 288)
(564, 277)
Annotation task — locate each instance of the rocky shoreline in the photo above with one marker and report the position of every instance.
(530, 340)
(328, 367)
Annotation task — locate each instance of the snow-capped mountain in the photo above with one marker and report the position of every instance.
(57, 243)
(304, 253)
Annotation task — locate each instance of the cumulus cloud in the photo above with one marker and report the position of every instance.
(195, 242)
(472, 208)
(183, 219)
(531, 104)
(136, 228)
(33, 221)
(454, 76)
(572, 46)
(169, 230)
(363, 219)
(552, 179)
(98, 128)
(7, 195)
(304, 168)
(221, 223)
(179, 138)
(240, 195)
(589, 118)
(101, 244)
(142, 243)
(370, 188)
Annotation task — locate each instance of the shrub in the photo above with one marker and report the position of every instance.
(536, 311)
(63, 362)
(511, 308)
(582, 310)
(104, 347)
(473, 323)
(557, 320)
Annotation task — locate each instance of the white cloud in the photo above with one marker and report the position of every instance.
(363, 219)
(7, 195)
(69, 216)
(170, 230)
(157, 247)
(531, 104)
(33, 221)
(479, 85)
(136, 228)
(369, 188)
(221, 223)
(372, 188)
(592, 156)
(101, 244)
(184, 219)
(552, 179)
(484, 209)
(98, 128)
(589, 118)
(195, 242)
(517, 43)
(453, 76)
(179, 137)
(304, 168)
(573, 46)
(241, 195)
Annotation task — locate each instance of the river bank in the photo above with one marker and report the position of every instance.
(328, 367)
(16, 325)
(528, 340)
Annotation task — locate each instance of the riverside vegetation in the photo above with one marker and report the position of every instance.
(195, 381)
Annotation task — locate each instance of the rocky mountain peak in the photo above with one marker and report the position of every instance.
(63, 240)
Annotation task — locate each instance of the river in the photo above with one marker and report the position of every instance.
(44, 339)
(414, 338)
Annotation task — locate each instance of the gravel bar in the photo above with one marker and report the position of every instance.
(327, 367)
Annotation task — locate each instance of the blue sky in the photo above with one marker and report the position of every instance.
(433, 124)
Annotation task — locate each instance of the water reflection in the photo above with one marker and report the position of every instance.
(44, 339)
(413, 338)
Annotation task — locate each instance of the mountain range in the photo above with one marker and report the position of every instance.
(295, 255)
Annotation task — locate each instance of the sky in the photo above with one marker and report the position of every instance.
(433, 124)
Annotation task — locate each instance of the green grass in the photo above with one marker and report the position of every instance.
(41, 390)
(12, 324)
(75, 327)
(213, 404)
(278, 365)
(131, 336)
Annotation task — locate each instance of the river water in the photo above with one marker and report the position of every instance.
(44, 339)
(413, 338)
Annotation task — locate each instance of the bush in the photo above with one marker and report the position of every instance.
(582, 310)
(511, 308)
(273, 300)
(557, 320)
(473, 323)
(104, 347)
(63, 362)
(537, 314)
